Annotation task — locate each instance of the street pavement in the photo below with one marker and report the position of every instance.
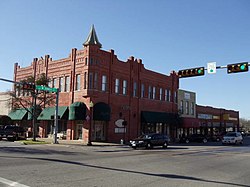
(75, 165)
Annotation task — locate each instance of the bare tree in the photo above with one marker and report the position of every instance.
(33, 101)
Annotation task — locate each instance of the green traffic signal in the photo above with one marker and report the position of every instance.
(243, 67)
(237, 68)
(191, 72)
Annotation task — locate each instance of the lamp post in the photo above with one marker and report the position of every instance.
(91, 104)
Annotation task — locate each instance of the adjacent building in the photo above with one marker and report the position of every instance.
(5, 108)
(206, 120)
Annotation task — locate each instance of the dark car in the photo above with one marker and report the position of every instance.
(150, 140)
(194, 138)
(12, 132)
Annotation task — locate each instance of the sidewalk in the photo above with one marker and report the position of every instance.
(77, 142)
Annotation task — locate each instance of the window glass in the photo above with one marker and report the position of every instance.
(66, 89)
(117, 82)
(78, 82)
(135, 89)
(90, 81)
(142, 90)
(124, 87)
(104, 83)
(160, 94)
(95, 80)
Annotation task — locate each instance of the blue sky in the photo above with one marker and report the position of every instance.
(166, 34)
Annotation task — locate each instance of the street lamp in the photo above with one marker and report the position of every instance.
(91, 104)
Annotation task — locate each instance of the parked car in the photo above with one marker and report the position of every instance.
(216, 137)
(232, 138)
(12, 132)
(150, 140)
(194, 138)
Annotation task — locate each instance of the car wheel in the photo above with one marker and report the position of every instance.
(204, 140)
(187, 141)
(165, 145)
(148, 146)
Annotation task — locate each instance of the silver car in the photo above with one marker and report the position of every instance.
(232, 138)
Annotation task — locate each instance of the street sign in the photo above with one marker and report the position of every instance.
(44, 88)
(211, 67)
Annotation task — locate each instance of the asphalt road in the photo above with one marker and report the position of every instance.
(75, 165)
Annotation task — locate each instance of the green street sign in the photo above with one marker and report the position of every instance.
(44, 88)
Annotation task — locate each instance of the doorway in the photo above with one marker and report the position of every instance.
(100, 130)
(79, 131)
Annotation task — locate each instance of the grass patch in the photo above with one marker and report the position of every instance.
(31, 142)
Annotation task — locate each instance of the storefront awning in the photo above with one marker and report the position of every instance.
(49, 113)
(101, 112)
(77, 111)
(157, 117)
(19, 114)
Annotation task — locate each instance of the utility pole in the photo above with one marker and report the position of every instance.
(56, 118)
(34, 115)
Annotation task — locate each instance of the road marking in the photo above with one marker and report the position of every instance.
(11, 183)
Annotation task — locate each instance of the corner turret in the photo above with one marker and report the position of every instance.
(92, 38)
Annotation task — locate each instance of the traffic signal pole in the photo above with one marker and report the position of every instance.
(56, 119)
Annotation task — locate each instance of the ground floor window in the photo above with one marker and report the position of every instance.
(155, 128)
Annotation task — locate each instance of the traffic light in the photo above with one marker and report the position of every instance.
(237, 68)
(191, 72)
(29, 86)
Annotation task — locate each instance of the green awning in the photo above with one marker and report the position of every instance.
(19, 114)
(101, 112)
(157, 117)
(77, 111)
(49, 113)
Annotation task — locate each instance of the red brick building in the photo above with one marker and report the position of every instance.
(98, 92)
(217, 120)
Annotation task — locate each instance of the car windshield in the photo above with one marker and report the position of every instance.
(145, 136)
(9, 127)
(231, 134)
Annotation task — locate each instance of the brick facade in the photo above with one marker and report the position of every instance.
(98, 76)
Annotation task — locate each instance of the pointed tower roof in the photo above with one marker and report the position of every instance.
(92, 38)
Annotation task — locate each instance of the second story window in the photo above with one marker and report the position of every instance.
(150, 94)
(66, 88)
(142, 91)
(192, 108)
(78, 82)
(54, 83)
(154, 92)
(90, 81)
(85, 81)
(135, 89)
(104, 83)
(95, 81)
(61, 84)
(124, 87)
(187, 107)
(50, 84)
(181, 107)
(160, 94)
(167, 95)
(117, 84)
(86, 61)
